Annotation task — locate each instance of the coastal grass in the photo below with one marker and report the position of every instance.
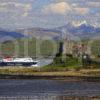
(43, 72)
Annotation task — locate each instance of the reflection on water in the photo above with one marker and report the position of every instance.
(48, 90)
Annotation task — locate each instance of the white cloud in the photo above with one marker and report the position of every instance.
(15, 8)
(16, 4)
(94, 4)
(25, 14)
(63, 8)
(58, 8)
(80, 10)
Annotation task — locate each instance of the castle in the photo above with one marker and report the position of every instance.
(69, 47)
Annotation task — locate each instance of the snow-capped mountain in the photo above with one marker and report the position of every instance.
(82, 30)
(77, 24)
(74, 29)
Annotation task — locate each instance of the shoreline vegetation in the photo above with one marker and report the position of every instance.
(91, 75)
(77, 65)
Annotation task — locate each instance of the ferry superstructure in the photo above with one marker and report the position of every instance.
(9, 61)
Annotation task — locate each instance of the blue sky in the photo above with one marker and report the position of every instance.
(48, 13)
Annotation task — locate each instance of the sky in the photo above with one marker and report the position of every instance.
(16, 14)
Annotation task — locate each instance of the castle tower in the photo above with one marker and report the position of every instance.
(67, 46)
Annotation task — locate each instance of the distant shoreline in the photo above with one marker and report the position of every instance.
(53, 77)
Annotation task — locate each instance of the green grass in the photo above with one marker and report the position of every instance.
(96, 47)
(40, 47)
(33, 47)
(45, 48)
(44, 72)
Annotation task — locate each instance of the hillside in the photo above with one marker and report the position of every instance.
(28, 47)
(9, 35)
(39, 33)
(82, 31)
(72, 30)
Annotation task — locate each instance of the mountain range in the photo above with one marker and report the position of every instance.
(81, 30)
(9, 35)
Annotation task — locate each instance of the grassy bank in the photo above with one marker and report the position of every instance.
(46, 72)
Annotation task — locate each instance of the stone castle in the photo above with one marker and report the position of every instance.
(75, 49)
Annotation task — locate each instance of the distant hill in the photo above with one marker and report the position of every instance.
(82, 30)
(6, 35)
(8, 48)
(39, 33)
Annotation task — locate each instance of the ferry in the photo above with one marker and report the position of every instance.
(9, 61)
